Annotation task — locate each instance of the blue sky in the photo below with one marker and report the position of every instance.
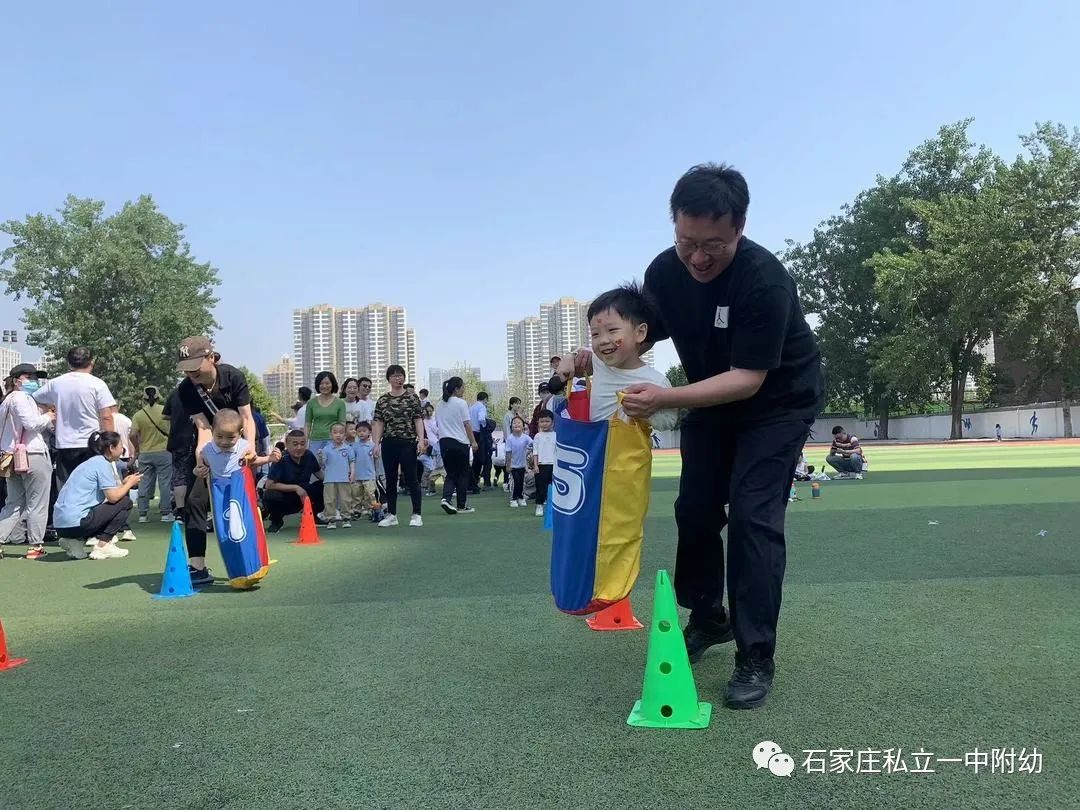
(469, 161)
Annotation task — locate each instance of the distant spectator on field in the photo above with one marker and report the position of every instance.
(997, 431)
(845, 455)
(303, 396)
(84, 406)
(150, 447)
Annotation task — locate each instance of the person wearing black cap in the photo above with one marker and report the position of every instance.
(208, 386)
(25, 461)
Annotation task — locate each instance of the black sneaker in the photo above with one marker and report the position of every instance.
(275, 526)
(702, 634)
(448, 507)
(751, 682)
(321, 522)
(200, 576)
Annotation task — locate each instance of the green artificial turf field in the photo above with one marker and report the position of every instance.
(410, 668)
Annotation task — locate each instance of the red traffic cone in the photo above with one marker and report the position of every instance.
(308, 534)
(619, 616)
(6, 662)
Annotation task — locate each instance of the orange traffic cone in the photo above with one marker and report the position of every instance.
(6, 662)
(619, 616)
(308, 534)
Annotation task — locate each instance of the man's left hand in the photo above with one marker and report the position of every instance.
(642, 400)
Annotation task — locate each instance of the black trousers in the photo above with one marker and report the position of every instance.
(400, 454)
(279, 504)
(481, 465)
(455, 459)
(105, 521)
(67, 459)
(543, 481)
(196, 508)
(518, 490)
(748, 470)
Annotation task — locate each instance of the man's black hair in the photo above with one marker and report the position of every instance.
(364, 380)
(394, 369)
(836, 431)
(80, 357)
(482, 396)
(711, 190)
(304, 393)
(627, 302)
(515, 401)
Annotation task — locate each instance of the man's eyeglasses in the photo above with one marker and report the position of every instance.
(714, 247)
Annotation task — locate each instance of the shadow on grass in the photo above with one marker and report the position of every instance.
(151, 583)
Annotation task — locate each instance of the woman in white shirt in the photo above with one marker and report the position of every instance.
(21, 424)
(456, 437)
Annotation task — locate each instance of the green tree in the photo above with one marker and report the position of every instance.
(951, 295)
(676, 375)
(869, 356)
(1043, 190)
(125, 285)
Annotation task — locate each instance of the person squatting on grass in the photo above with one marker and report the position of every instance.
(94, 505)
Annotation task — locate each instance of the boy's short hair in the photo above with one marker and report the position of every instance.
(363, 423)
(627, 301)
(338, 425)
(296, 434)
(515, 401)
(836, 431)
(482, 396)
(227, 418)
(545, 414)
(423, 392)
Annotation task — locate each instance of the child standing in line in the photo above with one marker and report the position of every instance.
(364, 494)
(518, 451)
(339, 469)
(544, 458)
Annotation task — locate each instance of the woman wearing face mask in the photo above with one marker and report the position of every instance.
(21, 426)
(93, 506)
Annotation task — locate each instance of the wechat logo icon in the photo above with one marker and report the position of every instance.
(769, 755)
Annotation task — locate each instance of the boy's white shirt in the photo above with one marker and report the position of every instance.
(544, 447)
(607, 382)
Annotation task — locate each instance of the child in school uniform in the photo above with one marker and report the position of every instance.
(518, 452)
(364, 487)
(339, 462)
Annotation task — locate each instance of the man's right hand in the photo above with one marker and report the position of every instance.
(301, 493)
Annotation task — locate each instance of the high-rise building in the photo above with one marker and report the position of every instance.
(9, 358)
(564, 325)
(437, 376)
(280, 382)
(352, 342)
(561, 327)
(527, 352)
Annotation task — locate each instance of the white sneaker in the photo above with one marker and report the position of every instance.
(858, 476)
(539, 511)
(128, 534)
(416, 521)
(108, 552)
(143, 518)
(523, 503)
(514, 504)
(93, 542)
(167, 518)
(331, 525)
(388, 521)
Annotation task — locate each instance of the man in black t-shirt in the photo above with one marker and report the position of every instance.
(293, 480)
(208, 387)
(755, 385)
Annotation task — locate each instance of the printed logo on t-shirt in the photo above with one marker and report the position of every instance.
(721, 318)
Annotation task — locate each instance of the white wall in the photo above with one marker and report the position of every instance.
(1014, 425)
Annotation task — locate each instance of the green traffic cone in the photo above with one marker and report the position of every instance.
(669, 698)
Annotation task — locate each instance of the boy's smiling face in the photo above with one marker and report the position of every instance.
(615, 339)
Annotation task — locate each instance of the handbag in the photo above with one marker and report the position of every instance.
(17, 461)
